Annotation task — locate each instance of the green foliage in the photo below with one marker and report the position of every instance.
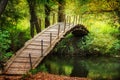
(33, 71)
(4, 46)
(104, 37)
(115, 48)
(12, 14)
(9, 41)
(24, 76)
(4, 41)
(104, 34)
(17, 36)
(38, 69)
(13, 28)
(65, 46)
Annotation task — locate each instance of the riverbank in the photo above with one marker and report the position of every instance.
(47, 76)
(42, 76)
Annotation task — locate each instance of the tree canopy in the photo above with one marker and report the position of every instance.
(22, 19)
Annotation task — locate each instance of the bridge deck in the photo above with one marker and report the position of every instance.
(20, 63)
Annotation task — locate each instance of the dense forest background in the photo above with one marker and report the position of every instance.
(22, 19)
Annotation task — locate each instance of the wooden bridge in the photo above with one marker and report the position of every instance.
(35, 50)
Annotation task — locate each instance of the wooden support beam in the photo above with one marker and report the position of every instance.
(73, 20)
(64, 25)
(69, 20)
(50, 39)
(58, 30)
(76, 19)
(41, 48)
(30, 61)
(66, 19)
(53, 18)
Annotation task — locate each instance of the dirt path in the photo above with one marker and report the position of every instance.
(42, 76)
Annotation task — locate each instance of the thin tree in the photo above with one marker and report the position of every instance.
(47, 14)
(34, 20)
(61, 7)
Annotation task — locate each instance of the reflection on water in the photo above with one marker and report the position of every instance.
(97, 68)
(79, 69)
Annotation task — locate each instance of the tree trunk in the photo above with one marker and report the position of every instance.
(61, 15)
(3, 5)
(33, 21)
(31, 28)
(47, 15)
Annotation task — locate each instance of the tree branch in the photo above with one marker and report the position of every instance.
(3, 5)
(99, 11)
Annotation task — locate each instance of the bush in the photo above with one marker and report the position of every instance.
(4, 46)
(17, 36)
(4, 41)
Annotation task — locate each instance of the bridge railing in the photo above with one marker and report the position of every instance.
(68, 22)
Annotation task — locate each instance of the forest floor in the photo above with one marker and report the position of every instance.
(42, 76)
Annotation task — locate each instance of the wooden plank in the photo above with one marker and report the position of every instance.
(53, 45)
(19, 59)
(46, 34)
(9, 62)
(31, 51)
(32, 54)
(49, 32)
(45, 41)
(33, 47)
(22, 65)
(16, 72)
(18, 69)
(36, 47)
(38, 44)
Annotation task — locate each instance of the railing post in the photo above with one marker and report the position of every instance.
(81, 19)
(50, 39)
(53, 18)
(73, 20)
(41, 48)
(69, 20)
(66, 19)
(58, 30)
(64, 25)
(30, 61)
(76, 19)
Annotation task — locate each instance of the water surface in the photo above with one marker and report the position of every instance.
(97, 68)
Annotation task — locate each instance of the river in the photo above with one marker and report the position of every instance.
(94, 67)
